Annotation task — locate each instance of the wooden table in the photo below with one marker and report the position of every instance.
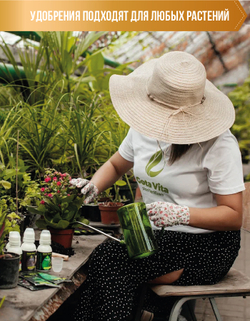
(22, 304)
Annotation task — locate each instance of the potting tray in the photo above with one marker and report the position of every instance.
(22, 304)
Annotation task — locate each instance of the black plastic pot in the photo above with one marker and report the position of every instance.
(9, 267)
(124, 192)
(91, 212)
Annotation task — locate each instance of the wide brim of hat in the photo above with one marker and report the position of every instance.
(197, 124)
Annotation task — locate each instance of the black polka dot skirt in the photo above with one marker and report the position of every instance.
(112, 287)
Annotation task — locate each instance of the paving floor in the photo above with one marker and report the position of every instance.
(231, 309)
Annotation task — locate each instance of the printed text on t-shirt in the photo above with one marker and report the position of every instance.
(152, 187)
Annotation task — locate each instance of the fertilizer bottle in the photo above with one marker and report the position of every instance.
(14, 245)
(44, 252)
(13, 236)
(29, 250)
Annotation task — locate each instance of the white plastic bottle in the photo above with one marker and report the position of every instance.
(44, 252)
(14, 245)
(13, 235)
(29, 250)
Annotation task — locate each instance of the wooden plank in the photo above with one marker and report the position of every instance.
(234, 282)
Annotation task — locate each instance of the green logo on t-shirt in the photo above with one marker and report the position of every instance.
(154, 161)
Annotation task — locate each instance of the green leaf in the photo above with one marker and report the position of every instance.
(67, 62)
(87, 42)
(62, 224)
(120, 183)
(36, 210)
(41, 224)
(96, 63)
(84, 79)
(80, 219)
(5, 184)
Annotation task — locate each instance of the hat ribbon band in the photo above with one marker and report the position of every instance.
(183, 110)
(150, 96)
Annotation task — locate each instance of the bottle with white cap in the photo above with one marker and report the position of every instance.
(44, 252)
(29, 250)
(14, 245)
(13, 236)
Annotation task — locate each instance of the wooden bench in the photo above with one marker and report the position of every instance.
(234, 284)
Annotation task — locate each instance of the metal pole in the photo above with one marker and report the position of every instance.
(101, 232)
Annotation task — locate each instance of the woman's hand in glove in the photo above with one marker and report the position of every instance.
(168, 214)
(89, 189)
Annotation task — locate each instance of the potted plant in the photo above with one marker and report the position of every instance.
(91, 211)
(18, 189)
(9, 262)
(109, 208)
(59, 207)
(128, 191)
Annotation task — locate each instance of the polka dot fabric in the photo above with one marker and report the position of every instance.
(110, 291)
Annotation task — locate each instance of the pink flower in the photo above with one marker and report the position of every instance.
(54, 178)
(64, 175)
(59, 205)
(58, 191)
(58, 183)
(45, 194)
(42, 189)
(47, 179)
(50, 195)
(68, 194)
(42, 202)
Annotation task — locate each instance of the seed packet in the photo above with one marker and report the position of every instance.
(26, 284)
(52, 278)
(36, 280)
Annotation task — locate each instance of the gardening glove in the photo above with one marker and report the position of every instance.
(89, 189)
(168, 214)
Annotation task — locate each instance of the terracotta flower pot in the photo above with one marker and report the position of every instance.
(109, 212)
(63, 237)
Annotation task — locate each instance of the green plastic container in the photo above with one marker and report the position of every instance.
(137, 230)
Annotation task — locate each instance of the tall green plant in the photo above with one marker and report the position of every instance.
(64, 51)
(55, 59)
(7, 131)
(8, 222)
(40, 136)
(84, 130)
(240, 97)
(62, 122)
(116, 130)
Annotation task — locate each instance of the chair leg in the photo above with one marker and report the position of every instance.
(215, 309)
(176, 309)
(191, 309)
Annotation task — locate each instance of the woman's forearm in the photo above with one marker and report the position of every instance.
(220, 218)
(105, 177)
(110, 172)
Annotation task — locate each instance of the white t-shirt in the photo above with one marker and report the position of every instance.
(209, 167)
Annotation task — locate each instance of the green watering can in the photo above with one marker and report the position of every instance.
(137, 230)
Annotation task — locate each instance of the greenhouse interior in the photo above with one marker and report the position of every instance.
(61, 130)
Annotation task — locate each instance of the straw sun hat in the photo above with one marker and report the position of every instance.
(170, 99)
